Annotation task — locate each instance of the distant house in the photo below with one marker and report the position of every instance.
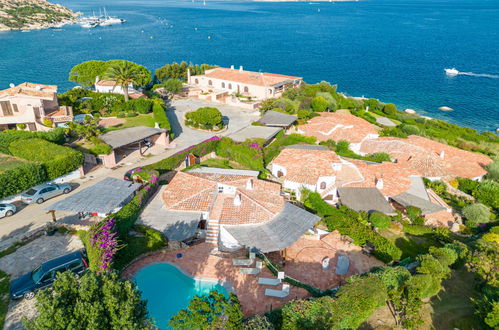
(30, 104)
(277, 119)
(222, 82)
(431, 159)
(110, 86)
(239, 209)
(338, 126)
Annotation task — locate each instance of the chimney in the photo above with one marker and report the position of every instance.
(249, 184)
(97, 79)
(379, 183)
(237, 200)
(442, 154)
(232, 67)
(188, 75)
(241, 68)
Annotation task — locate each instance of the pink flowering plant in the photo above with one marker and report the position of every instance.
(104, 241)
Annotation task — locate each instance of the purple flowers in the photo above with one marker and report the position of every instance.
(104, 239)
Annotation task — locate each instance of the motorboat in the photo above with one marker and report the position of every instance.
(451, 72)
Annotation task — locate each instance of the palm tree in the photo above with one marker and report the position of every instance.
(124, 74)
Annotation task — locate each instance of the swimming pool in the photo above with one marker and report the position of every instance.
(168, 290)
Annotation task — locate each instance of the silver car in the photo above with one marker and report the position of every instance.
(41, 193)
(6, 210)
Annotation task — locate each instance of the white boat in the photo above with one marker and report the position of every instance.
(110, 20)
(451, 72)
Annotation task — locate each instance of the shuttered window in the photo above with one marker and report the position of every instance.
(6, 108)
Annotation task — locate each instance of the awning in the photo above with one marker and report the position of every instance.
(126, 136)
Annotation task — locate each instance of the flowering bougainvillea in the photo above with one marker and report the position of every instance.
(104, 240)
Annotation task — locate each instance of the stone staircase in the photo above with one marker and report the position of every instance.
(213, 227)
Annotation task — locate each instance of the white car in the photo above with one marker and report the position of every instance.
(6, 210)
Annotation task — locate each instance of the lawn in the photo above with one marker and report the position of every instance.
(410, 245)
(4, 295)
(223, 163)
(452, 308)
(140, 120)
(375, 115)
(9, 162)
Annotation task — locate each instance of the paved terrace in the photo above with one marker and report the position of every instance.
(203, 261)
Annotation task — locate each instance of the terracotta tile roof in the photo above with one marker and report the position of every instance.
(30, 89)
(306, 165)
(60, 111)
(137, 95)
(338, 126)
(440, 219)
(249, 77)
(395, 177)
(105, 82)
(430, 158)
(198, 192)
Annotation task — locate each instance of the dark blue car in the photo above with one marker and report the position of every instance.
(44, 275)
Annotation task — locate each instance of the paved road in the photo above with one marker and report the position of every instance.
(34, 216)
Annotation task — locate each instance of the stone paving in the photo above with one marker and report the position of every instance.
(304, 263)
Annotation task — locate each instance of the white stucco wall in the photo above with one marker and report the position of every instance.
(227, 240)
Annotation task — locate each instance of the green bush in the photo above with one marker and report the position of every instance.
(56, 160)
(493, 170)
(487, 193)
(205, 117)
(413, 212)
(141, 105)
(379, 220)
(390, 109)
(379, 157)
(319, 104)
(467, 185)
(410, 129)
(393, 131)
(20, 178)
(99, 147)
(21, 126)
(121, 115)
(476, 214)
(132, 114)
(332, 104)
(160, 117)
(313, 201)
(48, 122)
(55, 135)
(248, 153)
(173, 86)
(303, 114)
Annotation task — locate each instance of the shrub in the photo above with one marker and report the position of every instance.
(248, 153)
(413, 212)
(141, 105)
(48, 122)
(55, 135)
(332, 104)
(319, 104)
(173, 86)
(379, 220)
(121, 115)
(314, 202)
(21, 177)
(99, 147)
(487, 193)
(390, 109)
(379, 157)
(393, 131)
(410, 129)
(21, 126)
(467, 185)
(132, 114)
(258, 322)
(160, 117)
(56, 160)
(493, 170)
(476, 214)
(205, 117)
(303, 114)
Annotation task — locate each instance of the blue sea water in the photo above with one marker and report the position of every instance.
(393, 50)
(167, 291)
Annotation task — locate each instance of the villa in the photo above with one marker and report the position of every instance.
(237, 209)
(109, 86)
(30, 104)
(431, 159)
(222, 84)
(338, 126)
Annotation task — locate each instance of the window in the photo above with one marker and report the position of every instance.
(210, 83)
(196, 81)
(230, 86)
(15, 107)
(223, 85)
(6, 108)
(279, 174)
(220, 189)
(246, 90)
(47, 277)
(323, 185)
(74, 265)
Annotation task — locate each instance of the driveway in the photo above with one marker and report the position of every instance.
(237, 118)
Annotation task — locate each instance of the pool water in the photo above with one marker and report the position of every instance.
(168, 290)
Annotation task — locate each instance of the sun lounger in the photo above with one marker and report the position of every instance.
(278, 293)
(271, 281)
(244, 262)
(252, 271)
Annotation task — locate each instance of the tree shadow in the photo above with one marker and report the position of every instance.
(174, 121)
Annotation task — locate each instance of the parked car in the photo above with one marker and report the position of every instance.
(44, 275)
(6, 210)
(41, 193)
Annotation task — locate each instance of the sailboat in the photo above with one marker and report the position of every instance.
(110, 20)
(204, 2)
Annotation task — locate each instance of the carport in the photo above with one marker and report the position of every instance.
(100, 199)
(131, 138)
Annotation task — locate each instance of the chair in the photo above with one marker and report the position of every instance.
(252, 271)
(244, 262)
(278, 293)
(271, 281)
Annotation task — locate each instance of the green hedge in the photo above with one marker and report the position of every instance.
(20, 178)
(9, 136)
(56, 160)
(160, 117)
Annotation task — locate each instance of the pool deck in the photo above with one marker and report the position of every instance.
(303, 263)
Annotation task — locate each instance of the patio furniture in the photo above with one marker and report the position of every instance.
(278, 293)
(342, 265)
(271, 281)
(252, 271)
(244, 262)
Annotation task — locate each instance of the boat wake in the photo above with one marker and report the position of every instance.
(454, 72)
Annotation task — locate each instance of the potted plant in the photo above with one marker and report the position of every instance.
(50, 230)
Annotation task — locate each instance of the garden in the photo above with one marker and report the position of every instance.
(205, 118)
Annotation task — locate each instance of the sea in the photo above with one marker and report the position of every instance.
(392, 50)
